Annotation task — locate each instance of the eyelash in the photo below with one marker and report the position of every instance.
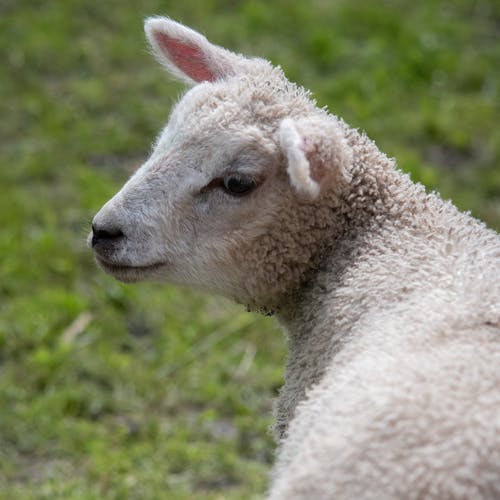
(246, 184)
(237, 185)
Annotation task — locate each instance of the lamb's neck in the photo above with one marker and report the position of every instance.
(386, 226)
(318, 322)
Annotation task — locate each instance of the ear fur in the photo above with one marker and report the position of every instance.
(317, 154)
(187, 54)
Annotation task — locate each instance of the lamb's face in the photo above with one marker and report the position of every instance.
(218, 204)
(207, 191)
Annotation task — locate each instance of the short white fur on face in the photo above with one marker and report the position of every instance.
(181, 224)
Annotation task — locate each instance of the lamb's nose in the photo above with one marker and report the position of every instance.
(102, 234)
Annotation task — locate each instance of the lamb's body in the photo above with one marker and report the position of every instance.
(389, 296)
(393, 382)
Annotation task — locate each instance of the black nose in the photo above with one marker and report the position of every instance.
(108, 234)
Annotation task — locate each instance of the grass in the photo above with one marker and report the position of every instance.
(147, 391)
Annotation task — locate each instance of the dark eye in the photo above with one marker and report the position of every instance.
(238, 184)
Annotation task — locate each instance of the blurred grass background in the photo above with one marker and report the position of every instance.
(148, 391)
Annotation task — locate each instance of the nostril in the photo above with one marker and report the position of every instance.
(109, 233)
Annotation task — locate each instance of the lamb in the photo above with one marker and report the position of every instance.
(387, 294)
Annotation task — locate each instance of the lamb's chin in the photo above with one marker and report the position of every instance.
(129, 273)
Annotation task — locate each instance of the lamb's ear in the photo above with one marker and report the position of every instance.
(317, 153)
(187, 54)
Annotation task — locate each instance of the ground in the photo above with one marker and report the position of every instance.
(147, 391)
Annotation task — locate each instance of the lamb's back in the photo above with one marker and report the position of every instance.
(400, 415)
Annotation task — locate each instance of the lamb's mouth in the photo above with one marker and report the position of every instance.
(128, 273)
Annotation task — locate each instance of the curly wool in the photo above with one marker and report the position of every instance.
(391, 386)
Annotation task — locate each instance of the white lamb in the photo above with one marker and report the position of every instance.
(388, 295)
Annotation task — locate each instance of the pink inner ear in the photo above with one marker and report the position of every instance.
(188, 58)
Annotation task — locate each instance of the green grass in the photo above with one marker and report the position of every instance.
(155, 391)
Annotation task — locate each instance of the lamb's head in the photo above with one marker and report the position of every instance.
(238, 191)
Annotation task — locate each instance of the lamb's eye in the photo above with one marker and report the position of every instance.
(238, 184)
